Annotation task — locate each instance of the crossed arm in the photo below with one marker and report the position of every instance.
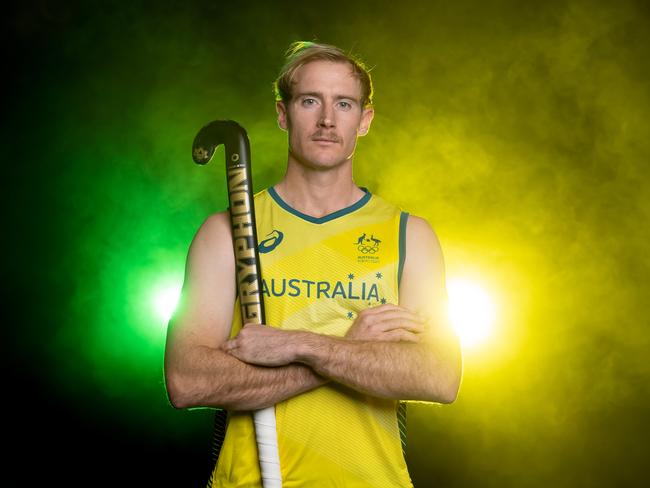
(404, 351)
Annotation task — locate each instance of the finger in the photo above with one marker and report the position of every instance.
(392, 320)
(415, 327)
(391, 308)
(399, 315)
(401, 335)
(397, 326)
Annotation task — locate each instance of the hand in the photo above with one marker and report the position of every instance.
(262, 345)
(386, 323)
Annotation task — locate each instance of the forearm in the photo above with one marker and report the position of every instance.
(398, 370)
(208, 377)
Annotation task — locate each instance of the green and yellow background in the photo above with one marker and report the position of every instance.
(519, 129)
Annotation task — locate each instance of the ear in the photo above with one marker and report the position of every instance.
(281, 109)
(366, 120)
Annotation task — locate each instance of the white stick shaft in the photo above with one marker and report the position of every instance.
(267, 447)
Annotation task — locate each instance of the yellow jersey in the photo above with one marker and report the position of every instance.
(317, 275)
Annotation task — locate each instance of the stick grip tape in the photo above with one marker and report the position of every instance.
(267, 447)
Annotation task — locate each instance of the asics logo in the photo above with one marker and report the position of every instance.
(272, 241)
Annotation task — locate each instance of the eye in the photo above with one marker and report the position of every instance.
(345, 105)
(308, 102)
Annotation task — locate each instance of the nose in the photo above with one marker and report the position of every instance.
(326, 117)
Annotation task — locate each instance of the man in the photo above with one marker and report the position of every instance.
(355, 302)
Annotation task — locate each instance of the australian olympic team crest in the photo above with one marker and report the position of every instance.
(368, 247)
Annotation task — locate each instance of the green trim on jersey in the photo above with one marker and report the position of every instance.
(403, 219)
(320, 220)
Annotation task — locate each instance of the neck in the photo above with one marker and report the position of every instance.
(318, 193)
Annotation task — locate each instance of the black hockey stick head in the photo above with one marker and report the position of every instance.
(227, 132)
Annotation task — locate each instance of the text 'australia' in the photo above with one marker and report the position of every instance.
(295, 287)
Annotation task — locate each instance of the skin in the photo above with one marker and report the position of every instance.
(403, 351)
(323, 120)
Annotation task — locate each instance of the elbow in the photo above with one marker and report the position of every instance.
(444, 388)
(177, 392)
(449, 392)
(185, 392)
(444, 393)
(177, 401)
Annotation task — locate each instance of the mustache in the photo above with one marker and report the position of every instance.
(329, 136)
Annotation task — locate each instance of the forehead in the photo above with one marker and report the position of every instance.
(327, 77)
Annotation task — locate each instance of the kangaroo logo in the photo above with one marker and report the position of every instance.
(272, 241)
(367, 245)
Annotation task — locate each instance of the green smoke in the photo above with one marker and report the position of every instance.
(518, 129)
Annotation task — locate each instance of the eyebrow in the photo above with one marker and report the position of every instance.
(320, 95)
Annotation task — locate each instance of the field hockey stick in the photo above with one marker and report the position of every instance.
(244, 235)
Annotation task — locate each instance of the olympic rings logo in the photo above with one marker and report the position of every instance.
(368, 249)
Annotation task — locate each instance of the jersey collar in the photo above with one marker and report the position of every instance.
(326, 218)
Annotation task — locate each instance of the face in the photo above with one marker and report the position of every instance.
(324, 116)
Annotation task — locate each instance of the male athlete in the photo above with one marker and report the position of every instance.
(355, 303)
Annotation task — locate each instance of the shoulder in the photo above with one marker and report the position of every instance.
(215, 226)
(423, 278)
(213, 235)
(422, 243)
(418, 228)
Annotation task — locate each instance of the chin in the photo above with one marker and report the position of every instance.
(327, 164)
(321, 161)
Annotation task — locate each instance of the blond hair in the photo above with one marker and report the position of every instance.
(302, 52)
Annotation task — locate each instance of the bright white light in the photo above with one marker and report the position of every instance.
(471, 311)
(165, 300)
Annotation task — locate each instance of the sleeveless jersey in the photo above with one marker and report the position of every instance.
(318, 274)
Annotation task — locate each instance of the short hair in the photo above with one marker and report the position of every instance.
(302, 52)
